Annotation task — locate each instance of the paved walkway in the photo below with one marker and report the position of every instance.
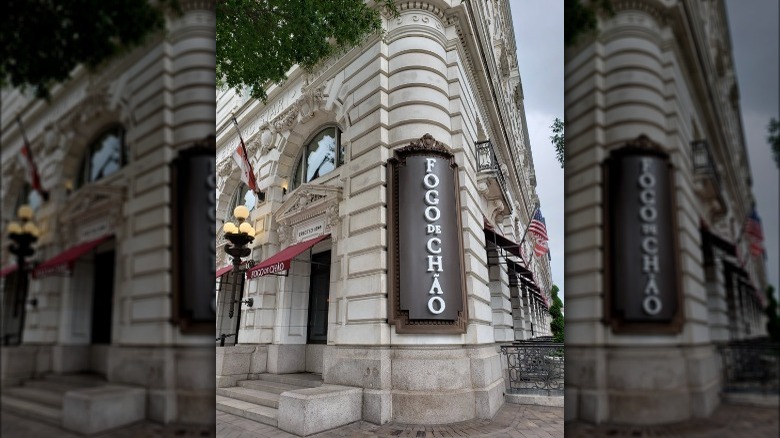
(516, 421)
(15, 426)
(728, 421)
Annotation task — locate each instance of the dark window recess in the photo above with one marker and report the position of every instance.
(319, 289)
(102, 297)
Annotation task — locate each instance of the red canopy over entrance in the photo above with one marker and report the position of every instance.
(8, 270)
(281, 261)
(224, 270)
(62, 263)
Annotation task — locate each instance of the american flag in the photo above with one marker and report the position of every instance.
(538, 230)
(754, 234)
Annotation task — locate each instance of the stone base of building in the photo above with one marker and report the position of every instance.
(413, 385)
(420, 385)
(641, 386)
(171, 377)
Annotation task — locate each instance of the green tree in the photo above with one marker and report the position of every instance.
(44, 40)
(773, 324)
(557, 139)
(556, 326)
(774, 139)
(258, 41)
(580, 18)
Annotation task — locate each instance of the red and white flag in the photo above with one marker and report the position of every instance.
(242, 161)
(31, 170)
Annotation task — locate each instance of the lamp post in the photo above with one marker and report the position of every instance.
(23, 235)
(239, 236)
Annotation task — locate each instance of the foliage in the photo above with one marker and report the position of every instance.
(556, 326)
(580, 18)
(771, 310)
(258, 41)
(44, 40)
(557, 139)
(774, 139)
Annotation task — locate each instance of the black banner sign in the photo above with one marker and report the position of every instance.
(194, 239)
(641, 251)
(426, 250)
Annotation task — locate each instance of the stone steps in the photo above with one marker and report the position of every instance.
(244, 409)
(42, 399)
(262, 398)
(267, 386)
(258, 400)
(306, 380)
(31, 409)
(37, 395)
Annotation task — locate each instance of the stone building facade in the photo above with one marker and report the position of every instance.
(104, 146)
(444, 76)
(657, 83)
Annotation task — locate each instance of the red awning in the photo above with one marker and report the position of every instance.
(223, 271)
(8, 270)
(281, 261)
(62, 263)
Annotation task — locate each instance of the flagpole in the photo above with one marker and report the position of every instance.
(525, 233)
(28, 147)
(243, 148)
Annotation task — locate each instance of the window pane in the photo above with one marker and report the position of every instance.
(106, 156)
(321, 158)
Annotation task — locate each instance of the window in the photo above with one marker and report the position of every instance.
(319, 157)
(106, 155)
(30, 197)
(242, 196)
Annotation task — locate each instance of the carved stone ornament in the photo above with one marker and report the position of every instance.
(95, 204)
(301, 110)
(309, 204)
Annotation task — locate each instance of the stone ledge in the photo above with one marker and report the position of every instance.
(98, 409)
(312, 410)
(760, 400)
(535, 400)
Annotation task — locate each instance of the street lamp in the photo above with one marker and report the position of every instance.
(23, 235)
(239, 236)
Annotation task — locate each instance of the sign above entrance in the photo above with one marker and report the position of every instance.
(643, 293)
(426, 272)
(281, 261)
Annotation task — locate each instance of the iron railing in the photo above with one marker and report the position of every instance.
(751, 366)
(534, 367)
(488, 162)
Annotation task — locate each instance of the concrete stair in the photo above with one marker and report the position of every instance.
(258, 400)
(41, 399)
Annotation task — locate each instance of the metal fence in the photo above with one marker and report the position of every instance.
(751, 366)
(534, 367)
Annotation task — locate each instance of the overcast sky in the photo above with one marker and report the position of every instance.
(754, 37)
(539, 36)
(538, 26)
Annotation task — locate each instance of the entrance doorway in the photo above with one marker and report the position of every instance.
(102, 297)
(319, 289)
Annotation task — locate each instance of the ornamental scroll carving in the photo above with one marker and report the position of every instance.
(309, 207)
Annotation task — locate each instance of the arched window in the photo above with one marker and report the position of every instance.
(320, 156)
(106, 155)
(242, 196)
(30, 197)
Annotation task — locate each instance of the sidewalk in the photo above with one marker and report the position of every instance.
(516, 421)
(15, 426)
(728, 421)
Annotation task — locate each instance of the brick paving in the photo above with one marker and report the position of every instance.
(728, 421)
(15, 426)
(516, 421)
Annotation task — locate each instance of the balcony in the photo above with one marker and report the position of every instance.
(706, 178)
(491, 181)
